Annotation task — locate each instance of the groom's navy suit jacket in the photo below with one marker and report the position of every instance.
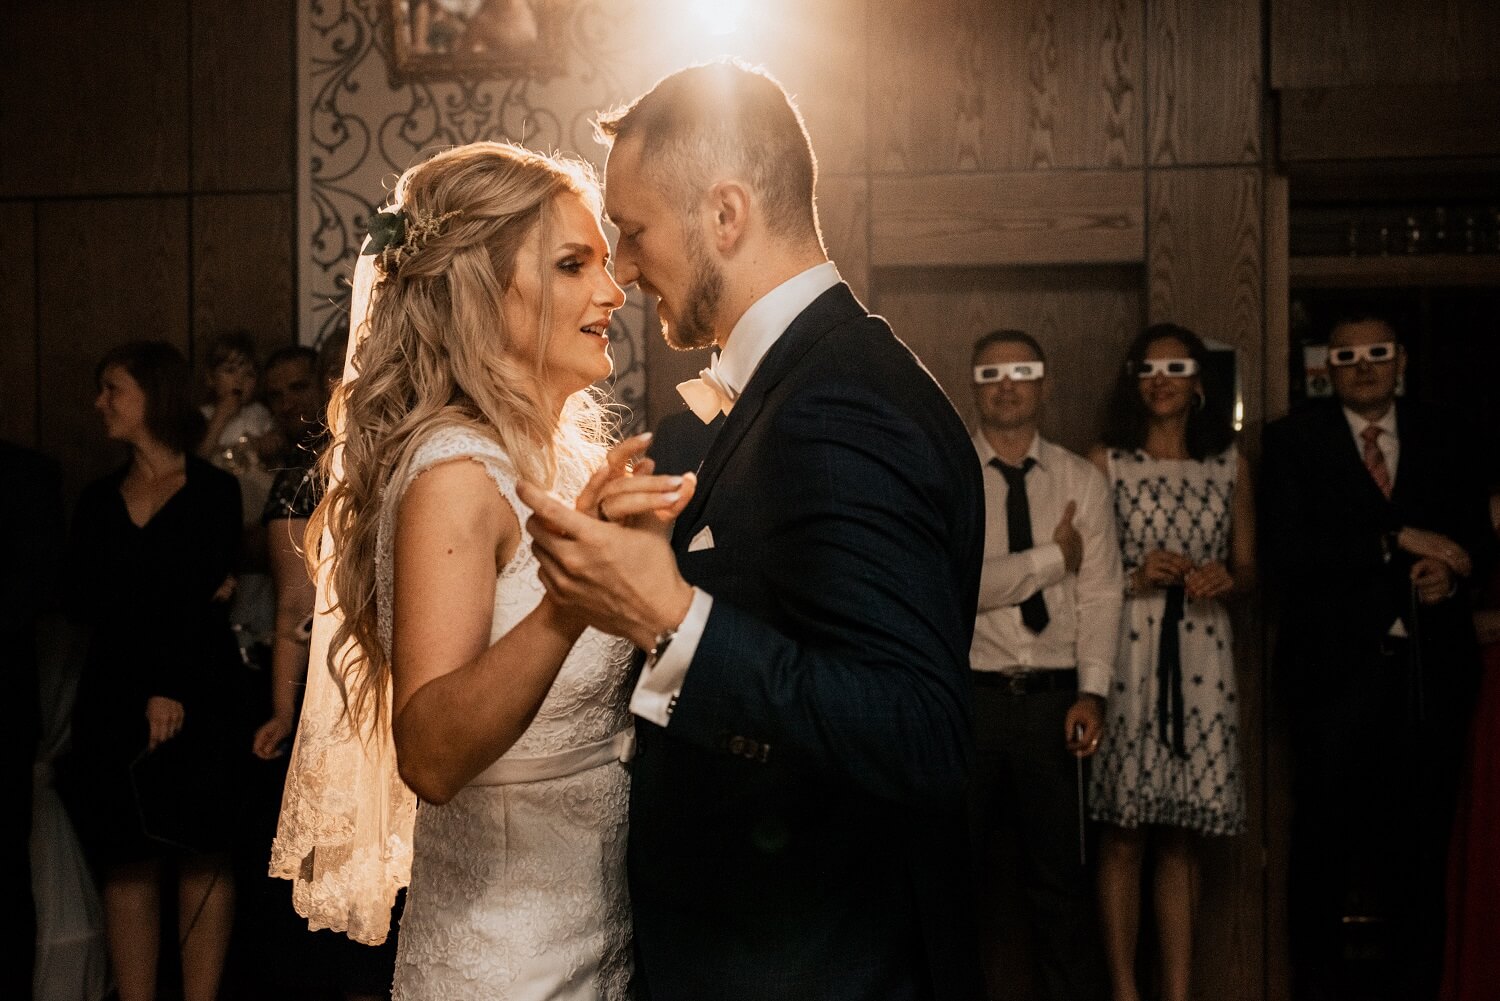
(797, 828)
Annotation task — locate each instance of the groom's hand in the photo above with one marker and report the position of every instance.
(619, 579)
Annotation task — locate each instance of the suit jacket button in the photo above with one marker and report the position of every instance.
(737, 745)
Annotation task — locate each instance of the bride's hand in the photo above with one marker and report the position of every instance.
(624, 490)
(642, 500)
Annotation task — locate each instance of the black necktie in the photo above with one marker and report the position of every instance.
(1018, 528)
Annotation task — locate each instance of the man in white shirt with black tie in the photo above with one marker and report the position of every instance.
(1043, 651)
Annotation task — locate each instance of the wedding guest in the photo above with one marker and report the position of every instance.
(1374, 520)
(236, 420)
(151, 779)
(1042, 657)
(296, 392)
(239, 430)
(1168, 772)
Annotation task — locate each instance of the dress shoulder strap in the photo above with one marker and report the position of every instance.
(456, 441)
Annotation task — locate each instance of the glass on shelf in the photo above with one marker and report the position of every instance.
(1413, 234)
(1442, 235)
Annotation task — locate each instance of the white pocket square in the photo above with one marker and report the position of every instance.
(703, 540)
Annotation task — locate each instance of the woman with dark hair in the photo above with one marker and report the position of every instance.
(1168, 769)
(150, 778)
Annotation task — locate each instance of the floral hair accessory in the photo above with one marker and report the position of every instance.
(387, 229)
(396, 234)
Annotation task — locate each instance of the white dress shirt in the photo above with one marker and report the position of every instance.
(759, 328)
(1083, 626)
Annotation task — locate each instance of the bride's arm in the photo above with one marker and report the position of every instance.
(459, 702)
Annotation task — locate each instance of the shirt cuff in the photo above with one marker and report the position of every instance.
(1094, 679)
(656, 692)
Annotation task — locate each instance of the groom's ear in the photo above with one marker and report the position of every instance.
(729, 208)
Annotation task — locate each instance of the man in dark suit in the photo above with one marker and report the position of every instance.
(797, 807)
(1374, 514)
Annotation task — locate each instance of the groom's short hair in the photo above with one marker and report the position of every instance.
(724, 114)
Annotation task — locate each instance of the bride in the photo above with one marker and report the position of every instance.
(488, 309)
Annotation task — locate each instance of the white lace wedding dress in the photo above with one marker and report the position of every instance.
(518, 883)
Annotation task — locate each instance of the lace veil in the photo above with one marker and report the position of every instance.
(344, 837)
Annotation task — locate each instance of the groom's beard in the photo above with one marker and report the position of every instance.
(695, 327)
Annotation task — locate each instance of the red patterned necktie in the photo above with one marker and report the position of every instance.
(1375, 459)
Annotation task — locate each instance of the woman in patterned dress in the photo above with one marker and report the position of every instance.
(1168, 771)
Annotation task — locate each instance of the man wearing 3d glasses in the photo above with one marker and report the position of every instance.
(1374, 514)
(1044, 644)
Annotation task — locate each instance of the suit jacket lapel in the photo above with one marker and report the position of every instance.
(834, 306)
(1408, 467)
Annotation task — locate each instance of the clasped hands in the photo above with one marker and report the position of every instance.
(1200, 581)
(606, 560)
(1439, 561)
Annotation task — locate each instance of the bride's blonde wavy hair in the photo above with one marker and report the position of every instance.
(436, 353)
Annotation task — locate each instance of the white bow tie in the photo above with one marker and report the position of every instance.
(708, 395)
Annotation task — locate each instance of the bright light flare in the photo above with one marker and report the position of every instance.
(719, 17)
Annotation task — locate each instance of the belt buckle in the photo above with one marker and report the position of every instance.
(1016, 683)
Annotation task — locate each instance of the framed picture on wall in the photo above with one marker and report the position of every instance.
(480, 38)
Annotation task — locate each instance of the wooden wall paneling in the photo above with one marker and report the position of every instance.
(93, 98)
(1204, 256)
(1026, 217)
(976, 85)
(1334, 43)
(1278, 295)
(242, 269)
(243, 95)
(925, 98)
(1083, 316)
(1204, 84)
(109, 271)
(18, 339)
(844, 216)
(1350, 123)
(822, 49)
(1205, 271)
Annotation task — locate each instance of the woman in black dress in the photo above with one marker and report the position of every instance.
(151, 781)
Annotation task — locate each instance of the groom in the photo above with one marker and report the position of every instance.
(796, 824)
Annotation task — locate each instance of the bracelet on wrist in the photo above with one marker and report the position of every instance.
(659, 646)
